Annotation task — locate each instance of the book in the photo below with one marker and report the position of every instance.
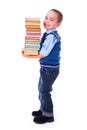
(32, 36)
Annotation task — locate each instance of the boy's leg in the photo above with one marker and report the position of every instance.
(47, 78)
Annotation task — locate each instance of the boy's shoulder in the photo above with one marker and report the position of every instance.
(55, 33)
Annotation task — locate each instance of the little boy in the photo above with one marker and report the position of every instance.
(49, 55)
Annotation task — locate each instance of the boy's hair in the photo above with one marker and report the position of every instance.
(60, 15)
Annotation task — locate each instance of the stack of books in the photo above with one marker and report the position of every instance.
(32, 36)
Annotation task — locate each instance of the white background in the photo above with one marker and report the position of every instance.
(19, 76)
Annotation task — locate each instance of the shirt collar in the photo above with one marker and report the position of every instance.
(49, 31)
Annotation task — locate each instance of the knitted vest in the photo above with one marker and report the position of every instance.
(53, 59)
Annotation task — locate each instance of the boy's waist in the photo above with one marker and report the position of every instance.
(49, 65)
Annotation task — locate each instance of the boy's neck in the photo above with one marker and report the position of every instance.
(51, 30)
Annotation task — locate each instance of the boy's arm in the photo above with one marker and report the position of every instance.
(32, 56)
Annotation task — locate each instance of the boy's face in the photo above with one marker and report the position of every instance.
(51, 20)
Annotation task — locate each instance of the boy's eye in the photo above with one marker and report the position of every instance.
(51, 19)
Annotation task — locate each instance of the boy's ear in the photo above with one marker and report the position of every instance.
(58, 24)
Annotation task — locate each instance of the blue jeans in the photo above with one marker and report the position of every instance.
(47, 78)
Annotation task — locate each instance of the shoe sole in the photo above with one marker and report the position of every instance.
(49, 121)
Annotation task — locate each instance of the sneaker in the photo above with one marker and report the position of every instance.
(42, 119)
(37, 113)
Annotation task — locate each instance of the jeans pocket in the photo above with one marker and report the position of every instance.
(44, 73)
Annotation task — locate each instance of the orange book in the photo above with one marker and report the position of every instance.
(33, 29)
(32, 19)
(32, 26)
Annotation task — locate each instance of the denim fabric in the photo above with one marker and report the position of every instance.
(47, 78)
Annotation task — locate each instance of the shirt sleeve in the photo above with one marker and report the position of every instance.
(48, 45)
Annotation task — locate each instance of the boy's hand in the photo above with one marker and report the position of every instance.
(31, 56)
(22, 52)
(28, 56)
(24, 55)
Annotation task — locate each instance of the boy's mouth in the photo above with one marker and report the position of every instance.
(47, 25)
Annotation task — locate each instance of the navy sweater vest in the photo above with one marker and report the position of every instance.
(53, 59)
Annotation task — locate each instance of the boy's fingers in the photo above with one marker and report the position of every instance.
(22, 51)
